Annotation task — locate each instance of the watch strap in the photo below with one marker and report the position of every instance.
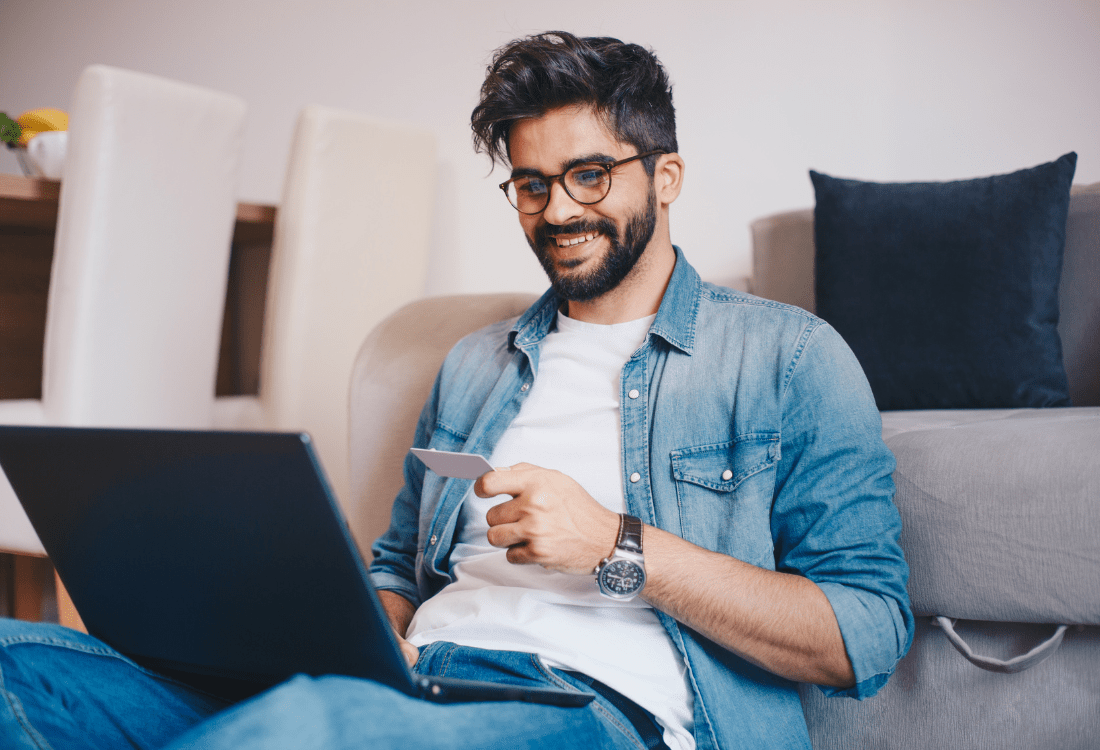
(630, 533)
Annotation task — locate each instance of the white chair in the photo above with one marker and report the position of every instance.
(351, 246)
(140, 262)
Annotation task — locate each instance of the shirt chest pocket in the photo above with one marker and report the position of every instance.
(724, 492)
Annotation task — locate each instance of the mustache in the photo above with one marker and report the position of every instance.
(602, 226)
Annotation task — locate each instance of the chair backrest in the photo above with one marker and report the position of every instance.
(393, 376)
(351, 246)
(140, 262)
(783, 270)
(142, 252)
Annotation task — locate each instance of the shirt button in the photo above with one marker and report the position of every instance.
(727, 475)
(523, 388)
(635, 477)
(634, 393)
(433, 539)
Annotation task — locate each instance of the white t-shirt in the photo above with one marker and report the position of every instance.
(569, 422)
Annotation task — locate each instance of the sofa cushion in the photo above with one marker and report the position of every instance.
(948, 292)
(1000, 512)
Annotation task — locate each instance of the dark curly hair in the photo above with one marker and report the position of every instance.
(623, 83)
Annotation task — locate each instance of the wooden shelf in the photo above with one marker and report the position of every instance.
(32, 202)
(28, 203)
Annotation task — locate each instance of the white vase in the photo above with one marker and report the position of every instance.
(46, 153)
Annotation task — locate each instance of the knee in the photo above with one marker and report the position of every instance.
(324, 703)
(290, 715)
(319, 695)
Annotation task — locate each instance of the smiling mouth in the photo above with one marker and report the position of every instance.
(571, 241)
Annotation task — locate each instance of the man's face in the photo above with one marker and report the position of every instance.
(585, 250)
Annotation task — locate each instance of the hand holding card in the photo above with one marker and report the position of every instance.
(451, 464)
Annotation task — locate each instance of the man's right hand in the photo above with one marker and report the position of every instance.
(400, 612)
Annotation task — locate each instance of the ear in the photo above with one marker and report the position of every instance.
(668, 178)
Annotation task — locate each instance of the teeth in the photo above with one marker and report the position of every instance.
(576, 240)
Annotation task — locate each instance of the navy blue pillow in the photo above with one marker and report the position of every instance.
(947, 292)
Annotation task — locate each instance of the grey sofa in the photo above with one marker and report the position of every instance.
(1001, 514)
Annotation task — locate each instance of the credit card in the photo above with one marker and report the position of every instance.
(451, 464)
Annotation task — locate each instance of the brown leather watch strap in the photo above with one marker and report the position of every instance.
(630, 533)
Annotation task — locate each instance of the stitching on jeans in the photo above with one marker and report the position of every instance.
(630, 734)
(426, 653)
(73, 645)
(446, 665)
(20, 715)
(419, 658)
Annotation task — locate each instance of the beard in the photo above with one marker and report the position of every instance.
(612, 268)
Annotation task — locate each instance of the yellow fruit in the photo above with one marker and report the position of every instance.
(44, 119)
(39, 120)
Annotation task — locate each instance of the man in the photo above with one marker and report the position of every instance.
(693, 507)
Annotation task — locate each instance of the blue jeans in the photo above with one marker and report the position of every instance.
(62, 689)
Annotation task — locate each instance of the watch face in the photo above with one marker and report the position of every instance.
(622, 578)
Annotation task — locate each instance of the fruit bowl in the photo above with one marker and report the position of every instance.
(40, 139)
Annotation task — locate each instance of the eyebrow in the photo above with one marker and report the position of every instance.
(595, 158)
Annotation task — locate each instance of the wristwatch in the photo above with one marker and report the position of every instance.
(622, 575)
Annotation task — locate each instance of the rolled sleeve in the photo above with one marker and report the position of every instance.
(386, 581)
(875, 635)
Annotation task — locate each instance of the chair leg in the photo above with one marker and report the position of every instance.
(66, 612)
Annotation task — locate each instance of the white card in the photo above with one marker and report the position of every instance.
(457, 465)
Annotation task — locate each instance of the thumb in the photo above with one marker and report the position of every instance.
(409, 651)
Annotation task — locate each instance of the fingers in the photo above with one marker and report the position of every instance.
(509, 511)
(520, 550)
(505, 535)
(493, 483)
(503, 480)
(520, 555)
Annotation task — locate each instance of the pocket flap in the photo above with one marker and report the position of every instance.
(724, 466)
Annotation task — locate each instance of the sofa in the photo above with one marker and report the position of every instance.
(1001, 529)
(998, 578)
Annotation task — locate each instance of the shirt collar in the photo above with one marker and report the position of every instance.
(675, 321)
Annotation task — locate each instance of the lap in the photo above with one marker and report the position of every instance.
(341, 712)
(60, 688)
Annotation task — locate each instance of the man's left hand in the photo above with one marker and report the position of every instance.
(551, 520)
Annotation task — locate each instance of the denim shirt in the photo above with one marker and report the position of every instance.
(753, 433)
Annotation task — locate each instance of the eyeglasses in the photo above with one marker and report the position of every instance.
(586, 183)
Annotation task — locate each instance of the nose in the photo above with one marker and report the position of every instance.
(561, 209)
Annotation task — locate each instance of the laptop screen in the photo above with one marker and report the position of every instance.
(214, 553)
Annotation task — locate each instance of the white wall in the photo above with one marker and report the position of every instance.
(765, 89)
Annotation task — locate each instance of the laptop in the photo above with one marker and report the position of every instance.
(217, 558)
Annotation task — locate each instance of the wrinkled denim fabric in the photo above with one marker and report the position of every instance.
(752, 433)
(61, 689)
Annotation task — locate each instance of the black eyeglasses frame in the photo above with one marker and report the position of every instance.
(560, 178)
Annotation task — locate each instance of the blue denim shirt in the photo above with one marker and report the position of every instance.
(728, 383)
